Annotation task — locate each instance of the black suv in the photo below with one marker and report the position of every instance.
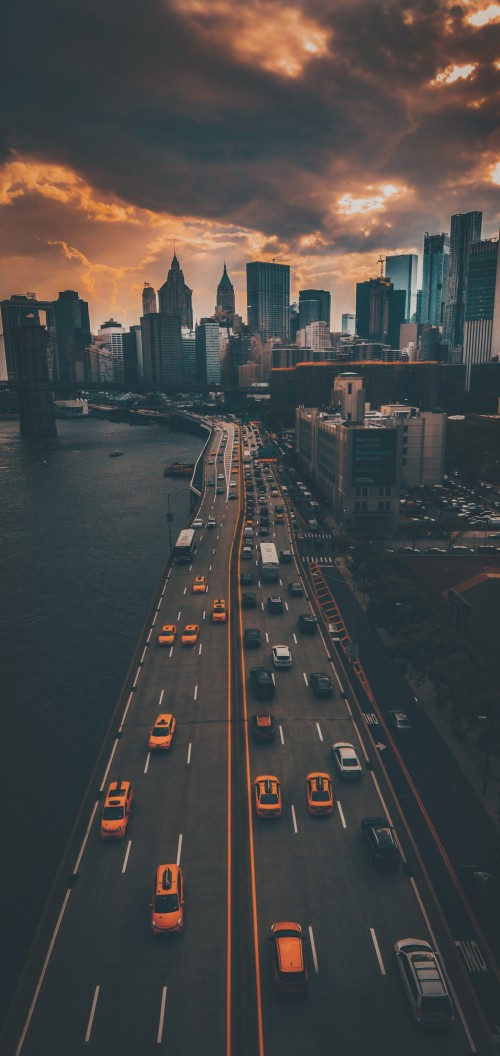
(248, 600)
(275, 604)
(246, 579)
(321, 684)
(251, 638)
(296, 590)
(381, 841)
(308, 624)
(262, 682)
(286, 557)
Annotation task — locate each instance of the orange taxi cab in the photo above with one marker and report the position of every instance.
(115, 813)
(167, 634)
(200, 585)
(319, 791)
(219, 611)
(190, 634)
(267, 793)
(167, 913)
(162, 733)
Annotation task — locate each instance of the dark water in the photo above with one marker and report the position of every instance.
(83, 540)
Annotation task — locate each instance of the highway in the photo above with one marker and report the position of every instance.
(100, 983)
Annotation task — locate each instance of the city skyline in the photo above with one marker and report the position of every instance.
(321, 152)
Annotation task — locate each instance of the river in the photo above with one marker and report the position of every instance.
(84, 538)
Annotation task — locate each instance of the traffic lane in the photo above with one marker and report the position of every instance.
(313, 877)
(107, 920)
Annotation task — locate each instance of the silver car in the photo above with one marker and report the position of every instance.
(282, 656)
(424, 983)
(346, 761)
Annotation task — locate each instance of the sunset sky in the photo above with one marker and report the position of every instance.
(319, 133)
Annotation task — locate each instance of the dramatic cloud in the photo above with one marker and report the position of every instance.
(318, 132)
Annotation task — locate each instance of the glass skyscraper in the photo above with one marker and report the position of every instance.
(435, 274)
(268, 299)
(402, 271)
(465, 229)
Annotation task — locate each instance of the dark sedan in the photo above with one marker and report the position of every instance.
(381, 841)
(321, 684)
(251, 638)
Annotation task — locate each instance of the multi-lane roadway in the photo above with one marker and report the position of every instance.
(99, 982)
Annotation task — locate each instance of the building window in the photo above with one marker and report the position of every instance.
(387, 505)
(357, 506)
(381, 491)
(380, 505)
(405, 428)
(357, 491)
(403, 461)
(364, 491)
(364, 506)
(388, 491)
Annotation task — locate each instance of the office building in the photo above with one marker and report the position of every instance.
(148, 299)
(162, 350)
(188, 354)
(72, 337)
(21, 310)
(314, 305)
(208, 357)
(175, 297)
(132, 358)
(434, 277)
(348, 324)
(111, 334)
(268, 300)
(225, 306)
(379, 310)
(465, 229)
(315, 335)
(294, 321)
(482, 305)
(350, 396)
(402, 271)
(29, 350)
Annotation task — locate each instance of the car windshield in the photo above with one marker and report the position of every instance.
(166, 903)
(269, 797)
(161, 731)
(320, 797)
(349, 760)
(113, 813)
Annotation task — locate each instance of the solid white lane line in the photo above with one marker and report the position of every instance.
(286, 606)
(377, 951)
(281, 735)
(294, 819)
(185, 590)
(305, 678)
(155, 618)
(195, 692)
(127, 852)
(162, 1015)
(136, 679)
(113, 750)
(295, 639)
(92, 1014)
(149, 636)
(85, 838)
(161, 698)
(148, 757)
(267, 638)
(204, 613)
(179, 615)
(171, 651)
(341, 812)
(120, 728)
(179, 846)
(313, 949)
(337, 677)
(318, 727)
(199, 651)
(42, 973)
(143, 654)
(360, 741)
(189, 754)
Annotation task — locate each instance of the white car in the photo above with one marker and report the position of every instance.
(346, 761)
(197, 523)
(400, 721)
(282, 656)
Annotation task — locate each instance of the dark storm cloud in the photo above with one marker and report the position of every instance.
(163, 108)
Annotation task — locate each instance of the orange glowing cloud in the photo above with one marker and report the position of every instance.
(277, 38)
(485, 15)
(454, 73)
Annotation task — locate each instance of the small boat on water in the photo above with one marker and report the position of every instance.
(115, 454)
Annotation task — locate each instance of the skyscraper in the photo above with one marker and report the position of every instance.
(402, 271)
(175, 297)
(379, 310)
(225, 298)
(348, 324)
(111, 334)
(314, 305)
(482, 305)
(161, 350)
(268, 299)
(465, 229)
(22, 310)
(148, 299)
(208, 357)
(435, 273)
(72, 337)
